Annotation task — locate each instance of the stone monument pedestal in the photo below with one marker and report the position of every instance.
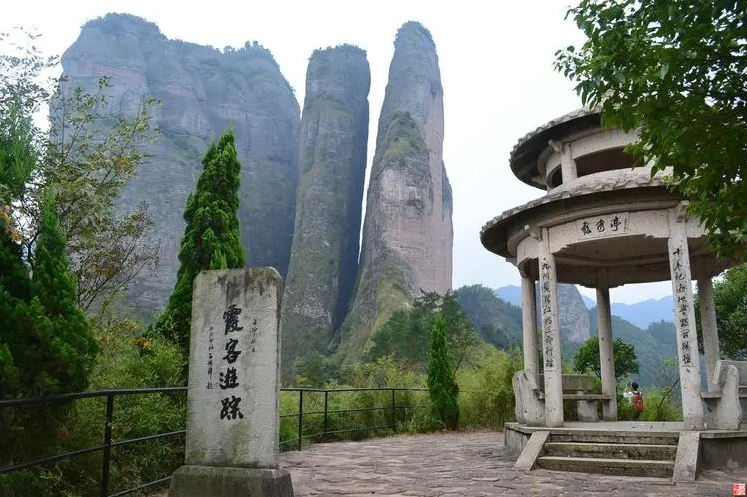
(200, 481)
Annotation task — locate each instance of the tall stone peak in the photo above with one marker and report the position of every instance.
(333, 150)
(407, 233)
(202, 91)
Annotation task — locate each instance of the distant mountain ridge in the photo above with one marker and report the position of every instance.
(640, 314)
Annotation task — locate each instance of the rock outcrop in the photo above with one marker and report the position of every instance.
(407, 233)
(202, 90)
(324, 257)
(573, 315)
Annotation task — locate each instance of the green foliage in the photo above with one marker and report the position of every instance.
(46, 342)
(442, 388)
(211, 238)
(652, 346)
(587, 358)
(486, 394)
(730, 299)
(496, 321)
(406, 336)
(125, 361)
(676, 71)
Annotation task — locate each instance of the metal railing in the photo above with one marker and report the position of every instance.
(326, 433)
(107, 444)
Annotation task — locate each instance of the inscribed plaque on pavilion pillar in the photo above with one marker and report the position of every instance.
(549, 317)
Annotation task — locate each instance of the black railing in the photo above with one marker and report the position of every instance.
(326, 432)
(107, 444)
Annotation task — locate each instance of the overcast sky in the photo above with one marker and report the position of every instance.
(496, 70)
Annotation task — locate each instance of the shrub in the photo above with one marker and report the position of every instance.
(486, 397)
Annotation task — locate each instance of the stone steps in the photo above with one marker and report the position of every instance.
(655, 452)
(657, 438)
(605, 466)
(610, 453)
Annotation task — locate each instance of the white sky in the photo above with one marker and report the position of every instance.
(496, 70)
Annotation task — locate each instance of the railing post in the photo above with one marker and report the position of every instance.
(324, 431)
(107, 444)
(394, 415)
(300, 418)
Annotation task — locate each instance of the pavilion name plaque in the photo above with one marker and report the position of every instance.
(601, 226)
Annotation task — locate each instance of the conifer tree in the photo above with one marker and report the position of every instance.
(442, 388)
(211, 238)
(47, 345)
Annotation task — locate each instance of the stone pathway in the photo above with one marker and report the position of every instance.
(460, 464)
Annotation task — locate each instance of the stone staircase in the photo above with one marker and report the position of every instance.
(618, 453)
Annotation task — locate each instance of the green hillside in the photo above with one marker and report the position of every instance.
(652, 345)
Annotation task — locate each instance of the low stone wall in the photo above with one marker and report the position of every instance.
(724, 451)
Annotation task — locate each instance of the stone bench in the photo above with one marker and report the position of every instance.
(726, 399)
(530, 398)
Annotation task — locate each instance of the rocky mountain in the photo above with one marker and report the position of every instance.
(574, 317)
(641, 314)
(407, 232)
(202, 91)
(324, 257)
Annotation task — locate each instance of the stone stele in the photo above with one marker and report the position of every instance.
(234, 386)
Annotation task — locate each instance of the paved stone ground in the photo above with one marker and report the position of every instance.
(460, 464)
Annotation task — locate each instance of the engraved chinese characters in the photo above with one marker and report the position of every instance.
(229, 379)
(547, 314)
(682, 307)
(607, 225)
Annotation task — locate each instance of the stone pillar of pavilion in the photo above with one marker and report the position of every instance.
(550, 334)
(708, 323)
(684, 319)
(606, 349)
(529, 325)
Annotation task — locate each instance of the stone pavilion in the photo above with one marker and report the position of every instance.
(601, 223)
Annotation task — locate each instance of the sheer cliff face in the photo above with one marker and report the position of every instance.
(573, 322)
(202, 91)
(407, 234)
(324, 257)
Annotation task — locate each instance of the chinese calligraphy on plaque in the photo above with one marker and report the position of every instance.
(547, 317)
(607, 225)
(682, 307)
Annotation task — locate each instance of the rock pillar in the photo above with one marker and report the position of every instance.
(529, 325)
(550, 334)
(708, 322)
(684, 319)
(234, 386)
(606, 349)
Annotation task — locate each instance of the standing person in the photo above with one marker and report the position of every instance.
(635, 398)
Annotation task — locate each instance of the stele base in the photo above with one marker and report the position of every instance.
(208, 481)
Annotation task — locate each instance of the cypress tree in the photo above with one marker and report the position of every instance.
(47, 343)
(442, 388)
(211, 237)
